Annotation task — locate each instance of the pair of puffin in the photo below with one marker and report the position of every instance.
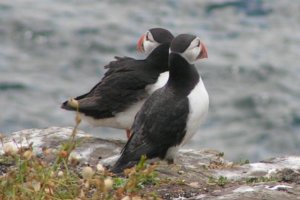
(161, 101)
(120, 94)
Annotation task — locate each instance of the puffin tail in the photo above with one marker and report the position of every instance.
(133, 153)
(121, 164)
(71, 104)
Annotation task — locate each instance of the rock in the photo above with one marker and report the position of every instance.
(201, 174)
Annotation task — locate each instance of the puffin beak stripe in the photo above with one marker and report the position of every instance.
(140, 46)
(203, 53)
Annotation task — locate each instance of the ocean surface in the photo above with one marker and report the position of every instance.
(51, 50)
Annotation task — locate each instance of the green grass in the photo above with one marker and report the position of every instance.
(33, 177)
(220, 181)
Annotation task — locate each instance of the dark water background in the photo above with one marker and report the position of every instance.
(51, 50)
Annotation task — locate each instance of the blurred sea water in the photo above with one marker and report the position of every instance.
(52, 50)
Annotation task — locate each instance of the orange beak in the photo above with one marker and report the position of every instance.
(140, 46)
(203, 53)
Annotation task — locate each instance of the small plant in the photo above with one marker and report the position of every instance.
(140, 175)
(29, 176)
(119, 182)
(243, 162)
(221, 154)
(221, 181)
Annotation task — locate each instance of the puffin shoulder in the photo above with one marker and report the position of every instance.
(121, 64)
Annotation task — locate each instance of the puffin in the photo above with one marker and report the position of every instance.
(128, 82)
(172, 114)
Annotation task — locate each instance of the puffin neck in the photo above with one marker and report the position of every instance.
(183, 76)
(159, 57)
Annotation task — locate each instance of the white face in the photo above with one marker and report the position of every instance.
(149, 43)
(191, 54)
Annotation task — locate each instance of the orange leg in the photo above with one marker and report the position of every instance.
(128, 134)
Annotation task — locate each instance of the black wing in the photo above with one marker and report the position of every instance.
(119, 64)
(159, 125)
(122, 85)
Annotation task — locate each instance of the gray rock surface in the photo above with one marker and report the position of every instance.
(201, 174)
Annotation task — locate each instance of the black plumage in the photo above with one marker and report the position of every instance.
(162, 121)
(150, 137)
(125, 82)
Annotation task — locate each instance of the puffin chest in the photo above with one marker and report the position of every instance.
(198, 108)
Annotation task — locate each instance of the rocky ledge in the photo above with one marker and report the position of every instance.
(201, 174)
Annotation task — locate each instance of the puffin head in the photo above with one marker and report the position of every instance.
(190, 47)
(152, 39)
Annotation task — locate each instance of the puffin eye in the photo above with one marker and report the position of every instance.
(149, 37)
(198, 43)
(195, 44)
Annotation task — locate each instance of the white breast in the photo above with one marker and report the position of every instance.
(161, 81)
(106, 122)
(198, 108)
(124, 120)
